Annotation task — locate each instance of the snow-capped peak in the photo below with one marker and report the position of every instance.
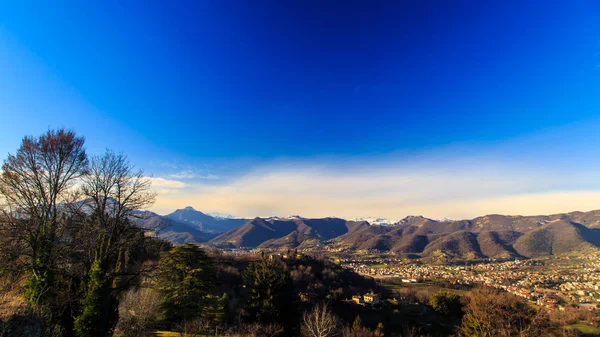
(289, 217)
(220, 215)
(376, 221)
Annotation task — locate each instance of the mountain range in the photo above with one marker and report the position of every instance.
(187, 225)
(490, 236)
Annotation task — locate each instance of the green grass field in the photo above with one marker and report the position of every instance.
(380, 265)
(585, 329)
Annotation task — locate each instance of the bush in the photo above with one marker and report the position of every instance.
(138, 312)
(17, 318)
(489, 312)
(255, 330)
(446, 303)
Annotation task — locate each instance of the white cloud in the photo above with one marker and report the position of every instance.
(185, 174)
(189, 174)
(551, 172)
(392, 191)
(158, 182)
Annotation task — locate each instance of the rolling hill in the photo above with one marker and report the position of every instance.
(290, 233)
(556, 237)
(489, 236)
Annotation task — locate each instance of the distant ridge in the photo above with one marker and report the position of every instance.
(205, 222)
(489, 236)
(174, 231)
(289, 233)
(187, 225)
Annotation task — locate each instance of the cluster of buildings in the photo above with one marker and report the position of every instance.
(412, 272)
(551, 282)
(369, 298)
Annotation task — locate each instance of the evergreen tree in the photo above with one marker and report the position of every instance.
(271, 291)
(99, 306)
(187, 278)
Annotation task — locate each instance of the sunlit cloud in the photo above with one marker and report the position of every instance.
(392, 191)
(190, 174)
(158, 182)
(538, 174)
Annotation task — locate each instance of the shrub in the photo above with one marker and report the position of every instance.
(138, 311)
(446, 303)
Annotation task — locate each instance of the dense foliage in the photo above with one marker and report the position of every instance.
(446, 303)
(186, 278)
(272, 297)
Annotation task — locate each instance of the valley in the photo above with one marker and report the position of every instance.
(549, 261)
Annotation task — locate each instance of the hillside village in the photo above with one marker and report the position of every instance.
(550, 282)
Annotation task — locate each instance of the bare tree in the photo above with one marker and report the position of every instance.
(66, 225)
(115, 189)
(319, 322)
(34, 184)
(113, 193)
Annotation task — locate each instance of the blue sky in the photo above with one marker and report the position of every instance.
(354, 108)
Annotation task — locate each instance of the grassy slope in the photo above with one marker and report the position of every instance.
(585, 329)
